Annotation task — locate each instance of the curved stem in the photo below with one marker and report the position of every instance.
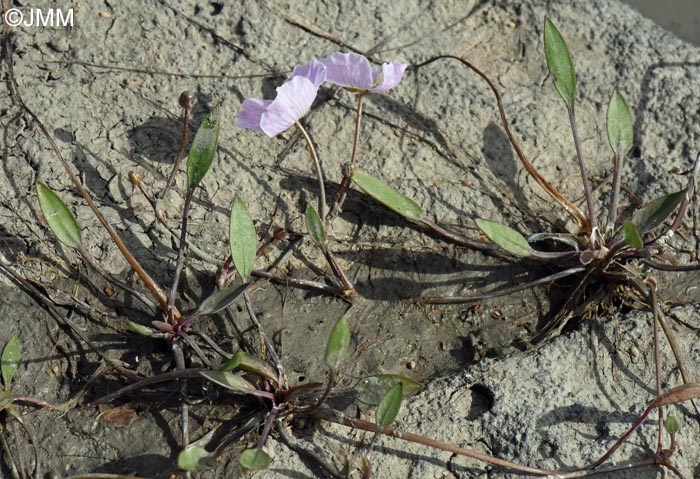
(356, 139)
(342, 193)
(332, 416)
(658, 316)
(651, 284)
(329, 387)
(571, 208)
(319, 173)
(499, 292)
(624, 437)
(135, 265)
(689, 192)
(612, 212)
(584, 176)
(180, 151)
(180, 258)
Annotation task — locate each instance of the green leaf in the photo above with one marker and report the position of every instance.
(315, 225)
(58, 216)
(233, 362)
(219, 300)
(338, 343)
(229, 381)
(620, 132)
(559, 63)
(139, 328)
(370, 390)
(505, 237)
(653, 214)
(387, 196)
(6, 398)
(254, 459)
(203, 148)
(195, 459)
(671, 425)
(10, 360)
(248, 362)
(389, 406)
(242, 239)
(632, 235)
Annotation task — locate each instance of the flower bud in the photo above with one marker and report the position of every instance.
(135, 178)
(187, 100)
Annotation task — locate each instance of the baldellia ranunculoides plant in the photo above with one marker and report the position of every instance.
(254, 383)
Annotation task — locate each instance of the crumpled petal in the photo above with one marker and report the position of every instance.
(392, 74)
(349, 70)
(252, 111)
(314, 71)
(294, 98)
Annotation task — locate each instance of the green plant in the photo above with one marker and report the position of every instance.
(256, 372)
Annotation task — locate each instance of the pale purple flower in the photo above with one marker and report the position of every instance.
(353, 71)
(293, 100)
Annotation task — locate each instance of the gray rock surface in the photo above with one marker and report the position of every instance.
(107, 90)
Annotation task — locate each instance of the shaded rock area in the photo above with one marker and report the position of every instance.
(107, 90)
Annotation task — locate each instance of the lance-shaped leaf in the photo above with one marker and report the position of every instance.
(619, 122)
(248, 362)
(58, 216)
(10, 360)
(195, 459)
(219, 300)
(338, 343)
(653, 214)
(230, 381)
(139, 328)
(370, 390)
(505, 237)
(632, 235)
(559, 63)
(242, 238)
(315, 225)
(203, 149)
(387, 196)
(388, 407)
(233, 362)
(254, 459)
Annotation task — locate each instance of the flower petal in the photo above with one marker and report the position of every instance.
(252, 111)
(294, 98)
(348, 70)
(392, 74)
(314, 71)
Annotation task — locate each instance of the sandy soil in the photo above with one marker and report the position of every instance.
(107, 90)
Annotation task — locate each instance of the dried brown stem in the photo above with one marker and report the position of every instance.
(332, 416)
(135, 265)
(571, 208)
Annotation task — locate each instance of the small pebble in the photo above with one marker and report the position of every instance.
(60, 45)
